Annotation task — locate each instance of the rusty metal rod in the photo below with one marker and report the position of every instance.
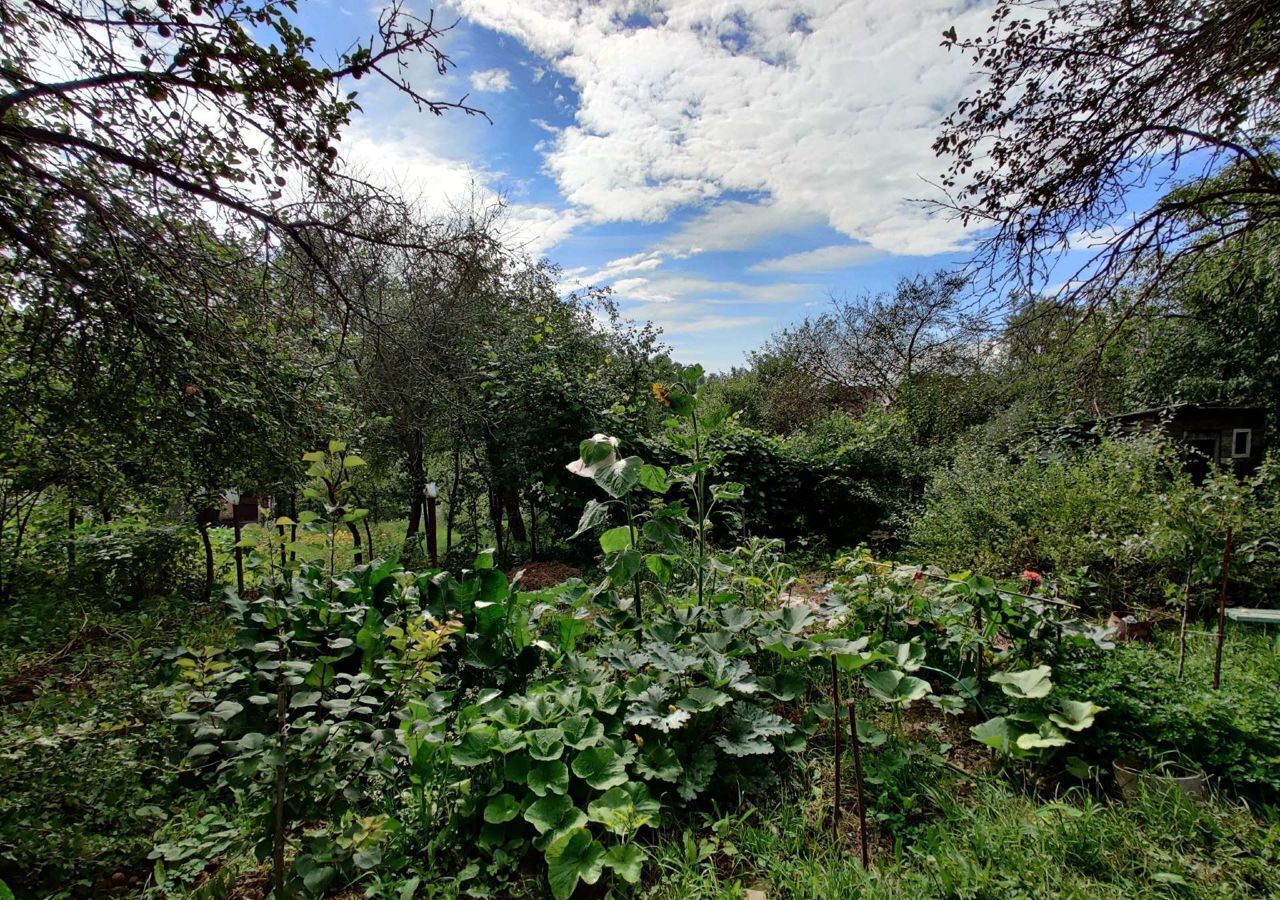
(857, 782)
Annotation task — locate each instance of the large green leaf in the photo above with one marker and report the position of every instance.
(727, 673)
(625, 809)
(502, 808)
(616, 539)
(594, 515)
(704, 699)
(581, 732)
(548, 777)
(596, 449)
(619, 477)
(697, 772)
(998, 733)
(653, 709)
(475, 747)
(749, 729)
(600, 767)
(891, 686)
(581, 858)
(908, 656)
(626, 861)
(1045, 737)
(666, 658)
(653, 478)
(660, 566)
(1075, 715)
(556, 819)
(783, 686)
(1029, 685)
(624, 566)
(546, 743)
(658, 762)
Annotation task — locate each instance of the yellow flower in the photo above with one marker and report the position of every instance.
(661, 393)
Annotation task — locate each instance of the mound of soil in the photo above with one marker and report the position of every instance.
(539, 575)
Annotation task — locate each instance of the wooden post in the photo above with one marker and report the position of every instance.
(1222, 609)
(432, 544)
(835, 710)
(239, 554)
(977, 674)
(857, 782)
(283, 564)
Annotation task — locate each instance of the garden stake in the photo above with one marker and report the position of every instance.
(235, 522)
(835, 708)
(1222, 610)
(857, 781)
(1182, 632)
(977, 624)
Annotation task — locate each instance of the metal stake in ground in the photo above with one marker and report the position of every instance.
(857, 781)
(835, 707)
(1222, 609)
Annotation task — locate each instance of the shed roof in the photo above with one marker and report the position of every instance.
(1175, 408)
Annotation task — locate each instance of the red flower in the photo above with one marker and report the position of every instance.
(1031, 577)
(919, 576)
(190, 389)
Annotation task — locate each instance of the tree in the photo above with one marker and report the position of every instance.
(1085, 104)
(873, 346)
(112, 114)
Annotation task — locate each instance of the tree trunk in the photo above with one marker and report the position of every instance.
(453, 501)
(417, 483)
(358, 557)
(495, 518)
(73, 519)
(511, 500)
(533, 529)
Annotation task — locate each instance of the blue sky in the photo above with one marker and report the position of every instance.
(723, 165)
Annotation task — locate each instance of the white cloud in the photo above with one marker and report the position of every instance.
(494, 81)
(825, 111)
(822, 259)
(738, 225)
(404, 163)
(706, 291)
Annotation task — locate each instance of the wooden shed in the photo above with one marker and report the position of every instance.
(1229, 435)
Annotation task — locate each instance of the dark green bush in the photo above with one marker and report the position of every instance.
(1234, 733)
(1068, 513)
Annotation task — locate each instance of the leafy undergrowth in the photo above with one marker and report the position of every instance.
(995, 842)
(88, 756)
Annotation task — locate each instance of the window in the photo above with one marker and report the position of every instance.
(1241, 442)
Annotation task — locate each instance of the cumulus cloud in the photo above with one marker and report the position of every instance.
(493, 81)
(407, 165)
(822, 110)
(821, 259)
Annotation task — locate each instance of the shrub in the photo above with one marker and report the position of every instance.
(1234, 733)
(1068, 513)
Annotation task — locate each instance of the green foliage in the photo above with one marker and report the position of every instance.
(985, 840)
(1233, 733)
(88, 758)
(1063, 514)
